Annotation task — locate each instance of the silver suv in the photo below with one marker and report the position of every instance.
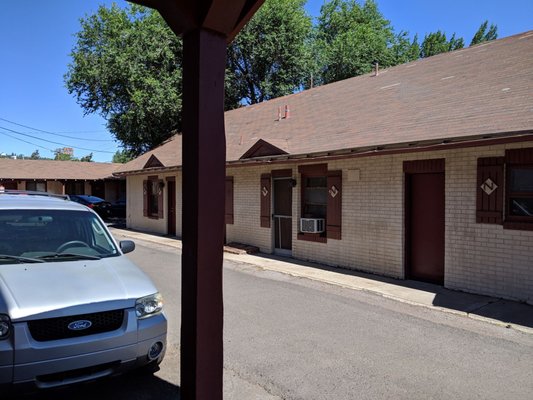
(72, 307)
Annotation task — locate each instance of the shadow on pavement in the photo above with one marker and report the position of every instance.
(506, 311)
(132, 386)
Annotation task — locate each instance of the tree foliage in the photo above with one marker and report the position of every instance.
(351, 38)
(127, 66)
(436, 43)
(87, 158)
(122, 157)
(482, 35)
(59, 156)
(269, 58)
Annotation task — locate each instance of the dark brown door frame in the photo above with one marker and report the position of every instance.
(171, 206)
(411, 168)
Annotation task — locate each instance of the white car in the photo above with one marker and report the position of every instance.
(72, 307)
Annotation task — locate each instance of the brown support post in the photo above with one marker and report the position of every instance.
(204, 158)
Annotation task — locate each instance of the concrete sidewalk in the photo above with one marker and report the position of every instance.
(505, 313)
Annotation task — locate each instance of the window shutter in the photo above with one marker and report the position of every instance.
(334, 211)
(490, 183)
(160, 186)
(145, 198)
(229, 200)
(265, 193)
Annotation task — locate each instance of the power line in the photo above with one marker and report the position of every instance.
(25, 141)
(61, 144)
(58, 134)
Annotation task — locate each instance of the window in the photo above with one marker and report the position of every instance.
(321, 194)
(519, 189)
(315, 197)
(153, 197)
(520, 193)
(36, 186)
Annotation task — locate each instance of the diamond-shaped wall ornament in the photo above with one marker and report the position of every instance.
(264, 191)
(489, 186)
(333, 191)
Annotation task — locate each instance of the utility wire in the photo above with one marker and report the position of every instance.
(61, 144)
(57, 134)
(25, 141)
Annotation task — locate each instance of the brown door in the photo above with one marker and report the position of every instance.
(171, 189)
(283, 216)
(425, 227)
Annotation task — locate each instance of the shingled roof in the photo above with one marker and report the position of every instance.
(483, 90)
(55, 170)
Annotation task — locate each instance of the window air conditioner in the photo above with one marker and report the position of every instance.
(312, 225)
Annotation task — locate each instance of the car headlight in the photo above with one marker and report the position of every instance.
(5, 326)
(149, 305)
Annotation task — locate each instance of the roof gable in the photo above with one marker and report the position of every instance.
(153, 162)
(262, 148)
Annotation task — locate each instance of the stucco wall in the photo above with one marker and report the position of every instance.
(134, 205)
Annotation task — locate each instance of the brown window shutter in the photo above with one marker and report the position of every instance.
(145, 198)
(490, 183)
(160, 186)
(334, 211)
(229, 200)
(265, 193)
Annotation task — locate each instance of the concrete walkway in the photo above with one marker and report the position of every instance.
(505, 313)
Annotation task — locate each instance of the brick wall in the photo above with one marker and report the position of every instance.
(246, 209)
(479, 258)
(134, 206)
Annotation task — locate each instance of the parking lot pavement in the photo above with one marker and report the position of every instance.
(511, 314)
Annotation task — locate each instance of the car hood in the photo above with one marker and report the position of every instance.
(47, 290)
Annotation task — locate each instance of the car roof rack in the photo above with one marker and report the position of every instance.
(34, 193)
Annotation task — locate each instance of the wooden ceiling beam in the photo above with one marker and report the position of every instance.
(224, 17)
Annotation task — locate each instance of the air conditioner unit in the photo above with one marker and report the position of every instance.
(312, 225)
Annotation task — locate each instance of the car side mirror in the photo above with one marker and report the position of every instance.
(127, 246)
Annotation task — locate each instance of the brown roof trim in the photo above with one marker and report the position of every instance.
(401, 148)
(147, 171)
(404, 148)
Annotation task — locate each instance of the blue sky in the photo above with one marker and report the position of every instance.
(36, 38)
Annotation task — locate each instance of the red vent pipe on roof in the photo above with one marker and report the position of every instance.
(287, 112)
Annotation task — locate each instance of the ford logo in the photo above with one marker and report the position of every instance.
(79, 325)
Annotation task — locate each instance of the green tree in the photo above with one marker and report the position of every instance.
(63, 157)
(35, 155)
(482, 35)
(122, 157)
(270, 58)
(87, 158)
(351, 38)
(436, 43)
(127, 66)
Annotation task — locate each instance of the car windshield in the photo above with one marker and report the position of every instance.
(52, 235)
